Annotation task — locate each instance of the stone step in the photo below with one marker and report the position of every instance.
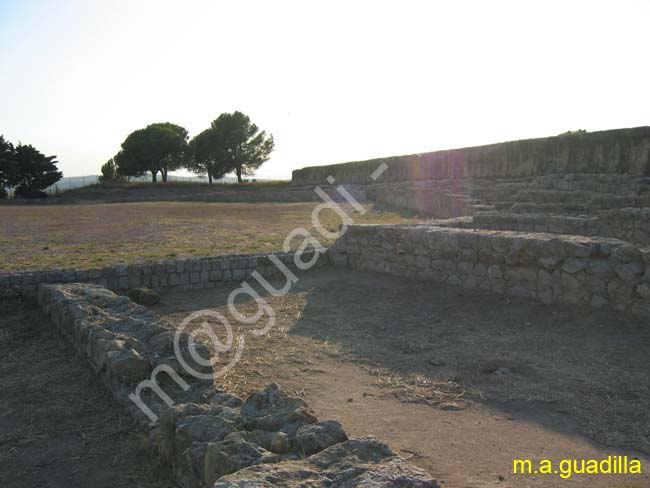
(549, 208)
(613, 200)
(555, 194)
(483, 207)
(600, 183)
(535, 195)
(629, 224)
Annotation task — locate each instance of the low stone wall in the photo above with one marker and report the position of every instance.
(546, 267)
(209, 437)
(629, 224)
(124, 193)
(177, 274)
(123, 342)
(592, 181)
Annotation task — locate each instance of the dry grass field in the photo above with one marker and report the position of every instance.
(141, 191)
(95, 235)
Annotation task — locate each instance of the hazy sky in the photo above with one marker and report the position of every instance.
(332, 81)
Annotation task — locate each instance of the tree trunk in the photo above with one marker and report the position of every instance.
(163, 172)
(238, 174)
(153, 176)
(210, 177)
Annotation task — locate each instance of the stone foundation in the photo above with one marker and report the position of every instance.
(443, 198)
(545, 267)
(177, 274)
(571, 194)
(629, 224)
(209, 437)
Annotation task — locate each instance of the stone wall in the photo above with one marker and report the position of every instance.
(629, 224)
(177, 274)
(123, 342)
(569, 193)
(621, 151)
(546, 267)
(439, 198)
(557, 193)
(211, 438)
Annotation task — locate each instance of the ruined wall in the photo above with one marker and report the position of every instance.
(439, 198)
(629, 224)
(546, 267)
(209, 437)
(620, 151)
(557, 193)
(177, 274)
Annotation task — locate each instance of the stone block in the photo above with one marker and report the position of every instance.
(466, 268)
(629, 271)
(494, 271)
(422, 262)
(519, 274)
(573, 265)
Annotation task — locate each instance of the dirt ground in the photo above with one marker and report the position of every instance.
(59, 427)
(34, 237)
(460, 382)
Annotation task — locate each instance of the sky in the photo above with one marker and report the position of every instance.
(333, 81)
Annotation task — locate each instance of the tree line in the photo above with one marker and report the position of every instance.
(25, 169)
(232, 144)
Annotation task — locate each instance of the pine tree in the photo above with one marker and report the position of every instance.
(34, 172)
(7, 166)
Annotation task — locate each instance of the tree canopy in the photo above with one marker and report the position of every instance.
(232, 144)
(205, 157)
(8, 166)
(34, 172)
(109, 172)
(239, 142)
(158, 148)
(26, 169)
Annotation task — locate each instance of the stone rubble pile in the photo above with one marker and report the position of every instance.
(209, 437)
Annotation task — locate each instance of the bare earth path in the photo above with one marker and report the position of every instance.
(460, 382)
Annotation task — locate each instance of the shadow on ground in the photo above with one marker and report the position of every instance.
(460, 381)
(561, 366)
(566, 367)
